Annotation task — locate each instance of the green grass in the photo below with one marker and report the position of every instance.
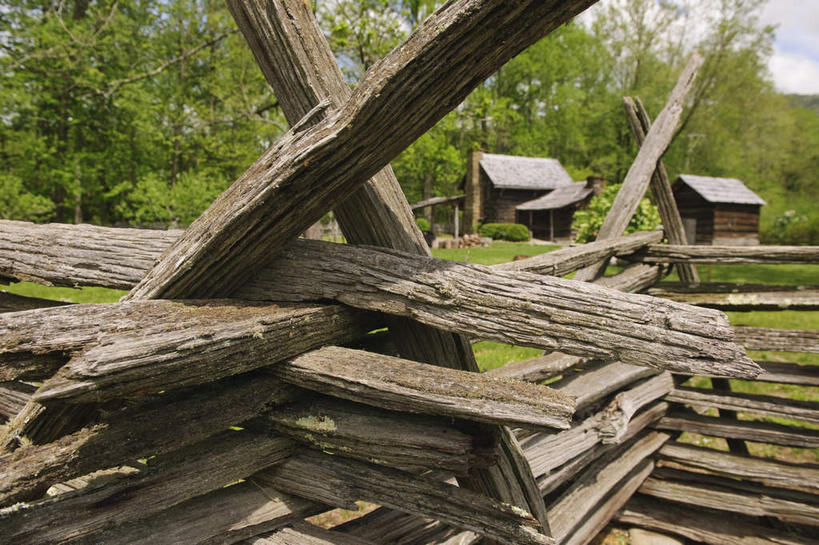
(70, 295)
(499, 252)
(785, 275)
(491, 355)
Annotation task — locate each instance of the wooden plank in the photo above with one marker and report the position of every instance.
(741, 298)
(337, 481)
(389, 526)
(746, 430)
(13, 397)
(153, 427)
(11, 302)
(616, 418)
(583, 495)
(759, 470)
(516, 308)
(592, 524)
(302, 533)
(437, 200)
(144, 347)
(640, 123)
(382, 437)
(752, 403)
(164, 482)
(633, 278)
(788, 373)
(226, 515)
(408, 386)
(639, 174)
(307, 172)
(737, 446)
(721, 496)
(701, 525)
(672, 253)
(572, 258)
(600, 380)
(785, 340)
(537, 369)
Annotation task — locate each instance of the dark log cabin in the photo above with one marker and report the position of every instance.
(718, 210)
(496, 185)
(550, 217)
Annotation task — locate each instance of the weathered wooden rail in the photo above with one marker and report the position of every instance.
(238, 404)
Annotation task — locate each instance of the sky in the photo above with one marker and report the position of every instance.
(795, 61)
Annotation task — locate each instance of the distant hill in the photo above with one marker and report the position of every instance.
(811, 102)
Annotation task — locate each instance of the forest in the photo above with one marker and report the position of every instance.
(130, 112)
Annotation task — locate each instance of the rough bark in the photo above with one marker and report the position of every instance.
(701, 525)
(382, 437)
(746, 430)
(785, 340)
(572, 258)
(633, 278)
(337, 481)
(752, 403)
(602, 476)
(307, 172)
(163, 483)
(719, 495)
(640, 123)
(151, 428)
(672, 253)
(759, 470)
(144, 347)
(408, 386)
(639, 174)
(616, 417)
(69, 255)
(737, 297)
(510, 307)
(537, 369)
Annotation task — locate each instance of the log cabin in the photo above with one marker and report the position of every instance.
(717, 210)
(550, 217)
(495, 185)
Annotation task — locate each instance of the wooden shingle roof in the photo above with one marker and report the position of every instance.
(513, 172)
(721, 190)
(560, 197)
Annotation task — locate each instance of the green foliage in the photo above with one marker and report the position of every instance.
(423, 225)
(154, 201)
(587, 221)
(18, 204)
(513, 232)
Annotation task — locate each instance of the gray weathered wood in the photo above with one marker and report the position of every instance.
(716, 495)
(388, 526)
(307, 172)
(537, 369)
(405, 385)
(154, 427)
(557, 478)
(737, 297)
(788, 373)
(13, 397)
(226, 515)
(381, 437)
(746, 430)
(639, 174)
(512, 307)
(633, 278)
(752, 403)
(737, 446)
(760, 470)
(571, 258)
(672, 253)
(69, 255)
(601, 515)
(701, 525)
(616, 417)
(599, 380)
(594, 483)
(302, 533)
(11, 302)
(337, 481)
(640, 123)
(162, 483)
(144, 347)
(785, 340)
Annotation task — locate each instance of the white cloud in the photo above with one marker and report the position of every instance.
(795, 62)
(795, 74)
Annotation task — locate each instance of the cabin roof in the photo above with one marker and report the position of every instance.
(560, 197)
(513, 172)
(721, 190)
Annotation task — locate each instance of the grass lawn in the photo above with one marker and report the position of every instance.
(499, 252)
(71, 295)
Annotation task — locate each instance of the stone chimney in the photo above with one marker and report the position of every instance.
(596, 183)
(473, 205)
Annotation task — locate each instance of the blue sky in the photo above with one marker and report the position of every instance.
(795, 62)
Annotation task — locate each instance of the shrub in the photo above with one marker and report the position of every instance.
(587, 221)
(18, 204)
(514, 232)
(423, 225)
